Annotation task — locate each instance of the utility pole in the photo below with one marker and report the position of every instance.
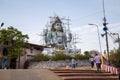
(68, 22)
(119, 41)
(106, 33)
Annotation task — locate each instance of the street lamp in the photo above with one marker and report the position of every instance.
(98, 36)
(118, 39)
(1, 25)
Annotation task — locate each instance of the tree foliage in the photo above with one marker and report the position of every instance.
(41, 57)
(60, 56)
(115, 58)
(86, 52)
(81, 56)
(14, 40)
(117, 41)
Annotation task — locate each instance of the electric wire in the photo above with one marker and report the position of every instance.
(113, 39)
(112, 36)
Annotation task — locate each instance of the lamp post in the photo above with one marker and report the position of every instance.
(1, 61)
(98, 36)
(1, 25)
(118, 39)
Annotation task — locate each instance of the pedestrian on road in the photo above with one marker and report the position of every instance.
(92, 62)
(73, 63)
(98, 62)
(5, 63)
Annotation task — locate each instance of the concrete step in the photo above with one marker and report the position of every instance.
(72, 71)
(84, 74)
(69, 70)
(91, 78)
(74, 74)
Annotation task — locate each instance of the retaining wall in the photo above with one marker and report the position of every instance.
(57, 64)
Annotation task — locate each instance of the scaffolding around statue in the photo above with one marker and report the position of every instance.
(57, 35)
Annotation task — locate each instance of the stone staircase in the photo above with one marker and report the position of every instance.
(76, 74)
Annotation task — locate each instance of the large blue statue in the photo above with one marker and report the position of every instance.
(55, 34)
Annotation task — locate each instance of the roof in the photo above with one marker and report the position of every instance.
(36, 46)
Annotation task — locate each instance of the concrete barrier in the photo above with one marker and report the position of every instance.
(110, 69)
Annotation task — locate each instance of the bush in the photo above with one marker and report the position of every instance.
(115, 58)
(80, 56)
(60, 56)
(41, 57)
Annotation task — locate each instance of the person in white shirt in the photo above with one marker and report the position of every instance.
(98, 62)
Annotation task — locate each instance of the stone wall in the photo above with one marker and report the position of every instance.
(57, 64)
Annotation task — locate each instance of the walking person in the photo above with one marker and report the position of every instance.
(92, 62)
(73, 63)
(98, 62)
(5, 63)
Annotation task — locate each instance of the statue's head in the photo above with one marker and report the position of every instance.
(57, 25)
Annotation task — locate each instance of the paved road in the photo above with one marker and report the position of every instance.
(28, 74)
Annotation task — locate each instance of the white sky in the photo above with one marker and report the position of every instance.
(30, 17)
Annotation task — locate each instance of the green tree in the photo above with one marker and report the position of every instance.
(82, 57)
(115, 58)
(117, 41)
(41, 57)
(14, 40)
(87, 53)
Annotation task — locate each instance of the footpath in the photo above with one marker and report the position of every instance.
(28, 74)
